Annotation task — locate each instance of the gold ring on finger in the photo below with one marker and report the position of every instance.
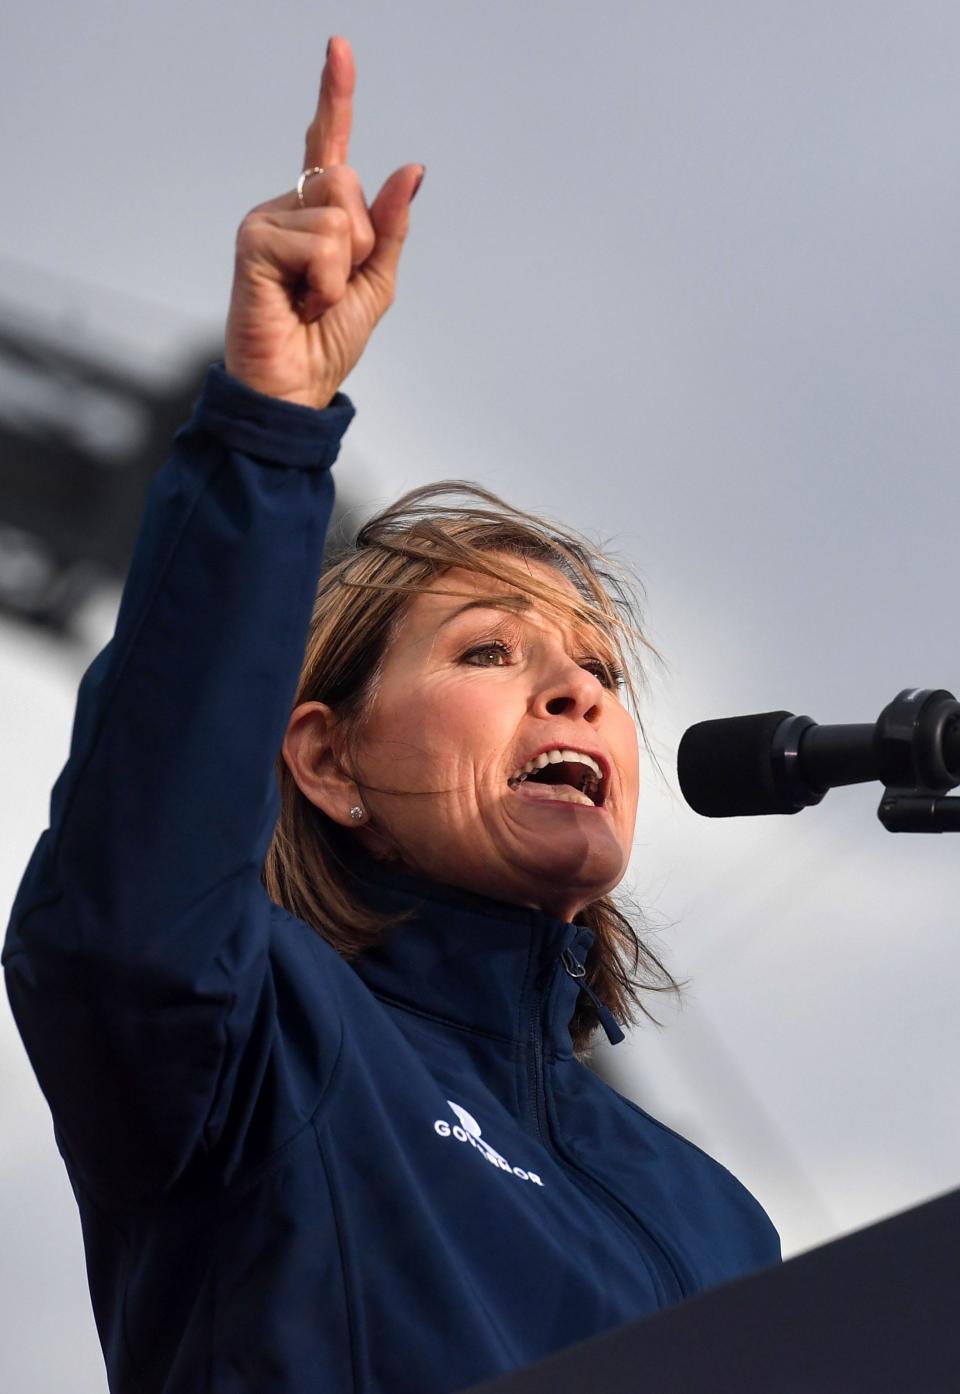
(307, 173)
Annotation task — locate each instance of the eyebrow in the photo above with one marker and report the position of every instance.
(490, 602)
(510, 601)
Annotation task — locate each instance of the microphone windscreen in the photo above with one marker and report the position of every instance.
(726, 770)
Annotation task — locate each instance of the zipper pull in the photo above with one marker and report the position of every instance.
(578, 971)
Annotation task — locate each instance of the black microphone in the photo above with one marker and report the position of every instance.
(775, 762)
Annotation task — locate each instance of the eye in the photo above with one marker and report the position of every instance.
(495, 646)
(609, 675)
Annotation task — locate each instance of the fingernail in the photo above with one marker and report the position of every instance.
(418, 183)
(329, 42)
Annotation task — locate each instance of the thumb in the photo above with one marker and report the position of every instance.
(390, 216)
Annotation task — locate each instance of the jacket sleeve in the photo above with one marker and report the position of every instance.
(136, 957)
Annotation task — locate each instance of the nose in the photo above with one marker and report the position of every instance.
(571, 691)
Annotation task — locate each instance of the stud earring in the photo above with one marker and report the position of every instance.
(356, 812)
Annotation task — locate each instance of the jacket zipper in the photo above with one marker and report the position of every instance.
(655, 1255)
(535, 1070)
(607, 1020)
(658, 1259)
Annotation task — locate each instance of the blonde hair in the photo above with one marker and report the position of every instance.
(360, 600)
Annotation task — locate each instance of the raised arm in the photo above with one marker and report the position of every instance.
(137, 953)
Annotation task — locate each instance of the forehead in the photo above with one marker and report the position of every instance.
(458, 590)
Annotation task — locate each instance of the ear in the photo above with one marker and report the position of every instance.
(310, 749)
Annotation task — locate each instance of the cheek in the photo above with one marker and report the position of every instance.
(440, 739)
(635, 748)
(630, 746)
(392, 747)
(469, 721)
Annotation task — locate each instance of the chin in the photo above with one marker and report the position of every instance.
(563, 891)
(558, 870)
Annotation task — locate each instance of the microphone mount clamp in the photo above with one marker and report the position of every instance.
(916, 739)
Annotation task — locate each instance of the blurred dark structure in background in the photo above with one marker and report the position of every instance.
(80, 438)
(79, 442)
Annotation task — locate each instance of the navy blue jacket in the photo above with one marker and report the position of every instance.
(295, 1174)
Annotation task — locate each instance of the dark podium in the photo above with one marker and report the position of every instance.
(877, 1312)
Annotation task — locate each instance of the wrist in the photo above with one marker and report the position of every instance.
(268, 426)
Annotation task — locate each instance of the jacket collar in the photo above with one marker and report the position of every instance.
(471, 960)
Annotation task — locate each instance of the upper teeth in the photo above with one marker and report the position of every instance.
(556, 757)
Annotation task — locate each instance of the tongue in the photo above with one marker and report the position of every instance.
(564, 792)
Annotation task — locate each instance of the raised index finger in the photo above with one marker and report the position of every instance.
(328, 136)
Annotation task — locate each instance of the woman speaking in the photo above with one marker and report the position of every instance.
(311, 954)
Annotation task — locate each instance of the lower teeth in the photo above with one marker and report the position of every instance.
(562, 792)
(590, 789)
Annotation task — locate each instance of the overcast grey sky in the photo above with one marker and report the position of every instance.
(685, 275)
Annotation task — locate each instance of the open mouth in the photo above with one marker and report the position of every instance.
(561, 776)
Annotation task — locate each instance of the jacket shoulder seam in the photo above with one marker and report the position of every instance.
(671, 1132)
(266, 1166)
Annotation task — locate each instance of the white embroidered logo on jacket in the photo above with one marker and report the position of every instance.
(468, 1130)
